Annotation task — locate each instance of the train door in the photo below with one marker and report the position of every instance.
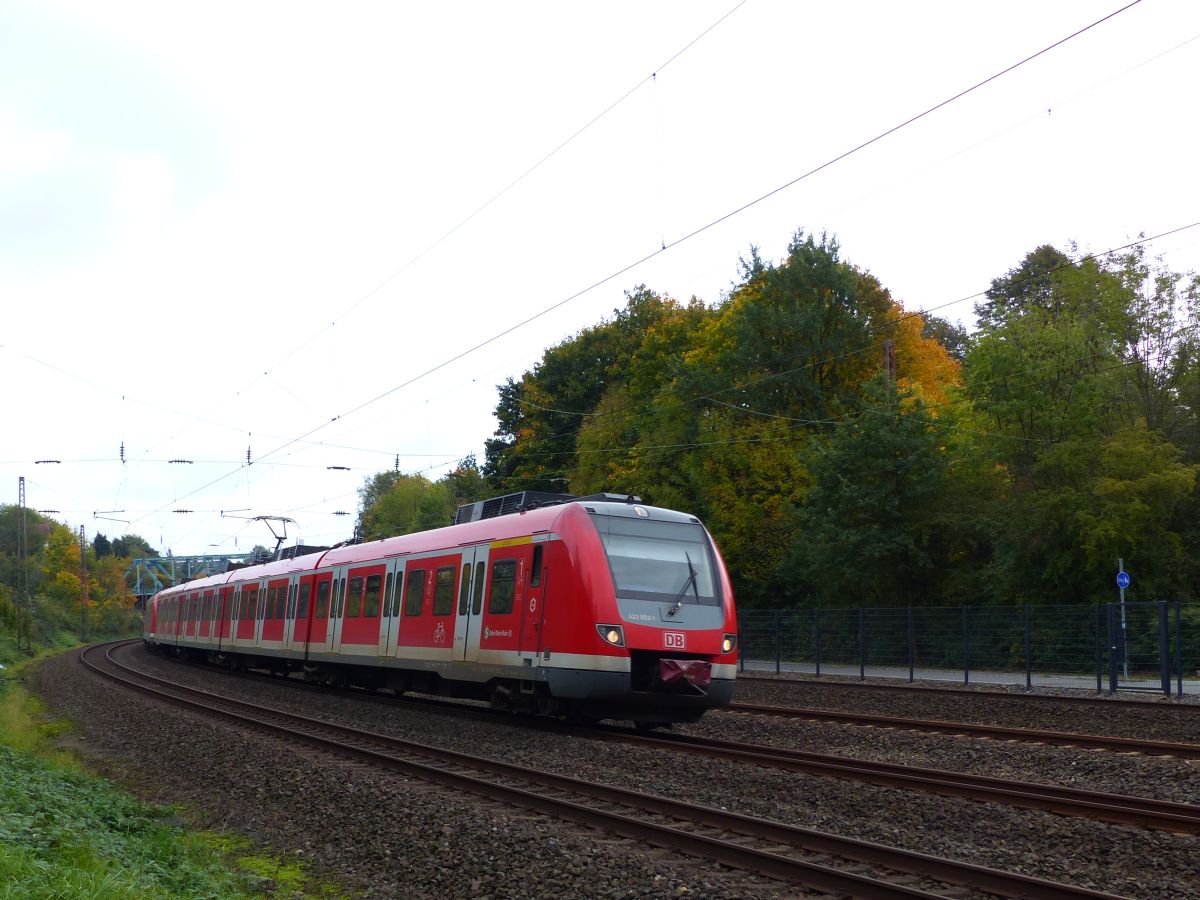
(235, 614)
(247, 614)
(389, 623)
(192, 615)
(208, 626)
(337, 609)
(361, 608)
(289, 613)
(296, 628)
(225, 613)
(318, 628)
(259, 612)
(468, 622)
(274, 607)
(533, 603)
(202, 623)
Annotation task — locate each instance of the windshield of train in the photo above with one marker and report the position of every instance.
(663, 561)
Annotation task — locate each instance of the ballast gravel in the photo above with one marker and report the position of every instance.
(385, 837)
(377, 834)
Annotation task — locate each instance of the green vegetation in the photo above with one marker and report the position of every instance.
(1009, 466)
(43, 603)
(67, 834)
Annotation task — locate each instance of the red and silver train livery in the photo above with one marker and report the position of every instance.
(590, 608)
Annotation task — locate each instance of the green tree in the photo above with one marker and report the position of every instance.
(872, 527)
(133, 546)
(540, 416)
(1076, 374)
(466, 483)
(412, 503)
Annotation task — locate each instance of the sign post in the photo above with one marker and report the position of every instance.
(1122, 583)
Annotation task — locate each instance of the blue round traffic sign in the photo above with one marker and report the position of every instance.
(1122, 579)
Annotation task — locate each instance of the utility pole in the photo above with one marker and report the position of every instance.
(83, 586)
(23, 583)
(889, 359)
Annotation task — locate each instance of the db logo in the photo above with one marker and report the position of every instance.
(674, 640)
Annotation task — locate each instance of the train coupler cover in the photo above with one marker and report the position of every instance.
(681, 672)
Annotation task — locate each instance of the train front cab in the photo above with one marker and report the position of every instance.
(664, 641)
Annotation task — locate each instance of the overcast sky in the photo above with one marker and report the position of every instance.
(223, 226)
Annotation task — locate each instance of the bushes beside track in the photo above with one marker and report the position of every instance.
(66, 833)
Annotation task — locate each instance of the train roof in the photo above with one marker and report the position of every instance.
(504, 527)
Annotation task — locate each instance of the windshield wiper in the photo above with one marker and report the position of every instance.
(691, 581)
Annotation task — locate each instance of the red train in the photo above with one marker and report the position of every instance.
(591, 608)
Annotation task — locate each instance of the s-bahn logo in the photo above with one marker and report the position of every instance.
(675, 640)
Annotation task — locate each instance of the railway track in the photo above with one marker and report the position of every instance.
(1158, 706)
(997, 732)
(1119, 809)
(1161, 815)
(789, 853)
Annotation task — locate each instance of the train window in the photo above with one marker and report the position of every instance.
(322, 609)
(371, 600)
(397, 592)
(228, 604)
(281, 594)
(354, 597)
(477, 601)
(291, 607)
(414, 594)
(387, 596)
(504, 578)
(535, 573)
(464, 592)
(335, 604)
(660, 561)
(443, 592)
(272, 593)
(305, 594)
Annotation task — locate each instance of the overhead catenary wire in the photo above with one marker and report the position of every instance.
(512, 184)
(125, 396)
(882, 326)
(746, 409)
(696, 232)
(615, 275)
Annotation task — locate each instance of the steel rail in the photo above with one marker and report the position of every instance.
(1162, 815)
(569, 798)
(1121, 809)
(981, 693)
(1026, 735)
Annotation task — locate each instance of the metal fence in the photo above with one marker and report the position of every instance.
(1110, 647)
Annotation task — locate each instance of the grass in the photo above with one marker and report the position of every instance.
(66, 834)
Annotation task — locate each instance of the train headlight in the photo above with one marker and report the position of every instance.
(729, 643)
(614, 634)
